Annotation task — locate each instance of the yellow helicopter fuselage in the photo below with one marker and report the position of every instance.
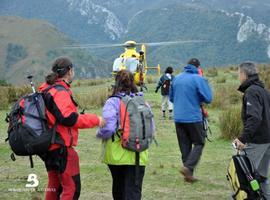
(133, 61)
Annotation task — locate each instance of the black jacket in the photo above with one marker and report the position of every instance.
(162, 81)
(255, 112)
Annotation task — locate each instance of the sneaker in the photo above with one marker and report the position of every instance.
(188, 177)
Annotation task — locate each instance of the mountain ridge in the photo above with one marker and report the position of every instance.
(30, 46)
(234, 30)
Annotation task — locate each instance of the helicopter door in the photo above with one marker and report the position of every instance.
(131, 64)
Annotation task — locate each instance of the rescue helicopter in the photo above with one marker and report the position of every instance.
(131, 59)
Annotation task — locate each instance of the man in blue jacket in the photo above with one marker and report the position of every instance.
(188, 92)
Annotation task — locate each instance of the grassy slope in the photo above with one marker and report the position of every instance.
(162, 179)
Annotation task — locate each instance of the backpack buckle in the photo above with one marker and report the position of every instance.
(138, 146)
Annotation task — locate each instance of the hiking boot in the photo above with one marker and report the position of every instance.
(191, 179)
(188, 177)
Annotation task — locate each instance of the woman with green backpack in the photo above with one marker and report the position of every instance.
(127, 165)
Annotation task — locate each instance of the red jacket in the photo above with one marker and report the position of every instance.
(61, 107)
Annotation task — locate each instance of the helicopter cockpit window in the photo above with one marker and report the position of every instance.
(131, 64)
(128, 63)
(117, 64)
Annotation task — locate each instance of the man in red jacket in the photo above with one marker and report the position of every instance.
(62, 161)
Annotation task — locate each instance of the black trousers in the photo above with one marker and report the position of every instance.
(124, 178)
(191, 138)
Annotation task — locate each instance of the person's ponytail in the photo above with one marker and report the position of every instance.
(51, 78)
(60, 68)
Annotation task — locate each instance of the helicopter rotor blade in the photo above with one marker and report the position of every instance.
(91, 46)
(95, 46)
(171, 42)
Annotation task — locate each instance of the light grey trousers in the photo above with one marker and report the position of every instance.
(259, 154)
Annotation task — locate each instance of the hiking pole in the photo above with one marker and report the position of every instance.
(30, 77)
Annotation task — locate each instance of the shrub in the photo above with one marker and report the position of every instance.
(8, 95)
(212, 72)
(12, 97)
(225, 96)
(221, 79)
(233, 67)
(230, 122)
(4, 103)
(95, 98)
(21, 91)
(90, 82)
(3, 83)
(152, 79)
(264, 72)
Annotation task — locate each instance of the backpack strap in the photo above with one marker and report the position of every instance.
(235, 194)
(143, 123)
(52, 86)
(118, 120)
(244, 167)
(56, 139)
(137, 167)
(31, 161)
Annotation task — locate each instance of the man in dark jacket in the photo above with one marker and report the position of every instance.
(165, 83)
(188, 91)
(255, 137)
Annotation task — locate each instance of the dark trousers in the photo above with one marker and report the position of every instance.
(191, 138)
(124, 178)
(64, 174)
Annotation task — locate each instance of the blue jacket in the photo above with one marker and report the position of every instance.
(189, 90)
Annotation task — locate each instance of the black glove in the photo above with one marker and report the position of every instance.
(156, 90)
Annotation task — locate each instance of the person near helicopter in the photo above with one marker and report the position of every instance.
(164, 83)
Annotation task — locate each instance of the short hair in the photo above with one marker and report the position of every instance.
(169, 70)
(195, 62)
(249, 68)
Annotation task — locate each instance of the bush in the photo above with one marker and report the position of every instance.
(221, 79)
(90, 82)
(21, 91)
(212, 72)
(225, 96)
(9, 95)
(94, 99)
(12, 96)
(151, 79)
(4, 101)
(3, 83)
(264, 72)
(230, 122)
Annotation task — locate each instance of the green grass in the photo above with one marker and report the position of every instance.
(162, 179)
